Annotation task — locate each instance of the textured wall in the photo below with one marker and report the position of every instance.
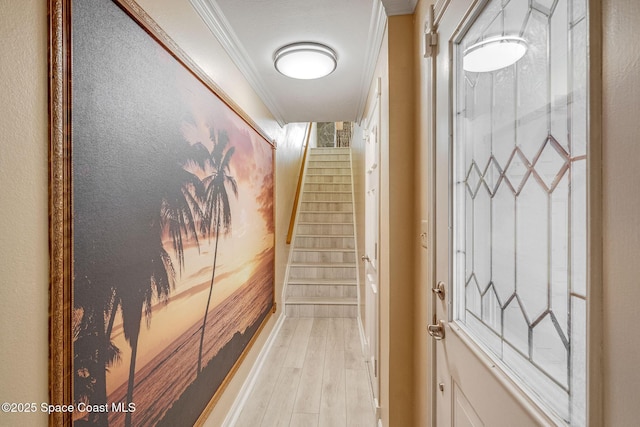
(24, 259)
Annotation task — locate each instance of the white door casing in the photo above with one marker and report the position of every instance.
(510, 232)
(372, 202)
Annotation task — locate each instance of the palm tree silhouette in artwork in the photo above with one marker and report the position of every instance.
(174, 209)
(217, 210)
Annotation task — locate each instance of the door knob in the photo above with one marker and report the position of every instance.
(436, 330)
(365, 258)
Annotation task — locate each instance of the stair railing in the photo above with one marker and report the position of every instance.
(294, 211)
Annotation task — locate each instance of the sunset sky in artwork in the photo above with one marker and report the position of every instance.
(238, 253)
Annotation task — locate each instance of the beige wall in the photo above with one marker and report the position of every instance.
(400, 210)
(24, 256)
(621, 204)
(24, 181)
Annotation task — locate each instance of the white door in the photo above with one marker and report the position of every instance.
(509, 212)
(372, 296)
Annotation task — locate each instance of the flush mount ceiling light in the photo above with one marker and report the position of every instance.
(305, 60)
(493, 54)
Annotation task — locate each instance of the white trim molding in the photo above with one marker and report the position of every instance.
(374, 41)
(212, 15)
(244, 393)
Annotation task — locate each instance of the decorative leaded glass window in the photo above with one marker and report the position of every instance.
(519, 203)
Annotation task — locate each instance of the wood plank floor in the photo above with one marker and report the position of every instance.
(314, 376)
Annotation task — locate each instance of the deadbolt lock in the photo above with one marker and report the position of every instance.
(436, 330)
(439, 290)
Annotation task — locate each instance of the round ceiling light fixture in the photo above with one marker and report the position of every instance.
(305, 60)
(493, 54)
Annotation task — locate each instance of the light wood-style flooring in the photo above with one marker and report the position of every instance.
(314, 376)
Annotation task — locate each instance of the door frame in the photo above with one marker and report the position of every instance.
(372, 123)
(595, 285)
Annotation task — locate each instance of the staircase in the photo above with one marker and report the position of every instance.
(322, 279)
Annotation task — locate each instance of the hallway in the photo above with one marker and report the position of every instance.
(314, 375)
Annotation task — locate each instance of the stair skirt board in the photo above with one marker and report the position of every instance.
(322, 272)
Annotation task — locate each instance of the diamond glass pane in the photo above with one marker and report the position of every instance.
(549, 166)
(520, 204)
(491, 175)
(517, 171)
(473, 179)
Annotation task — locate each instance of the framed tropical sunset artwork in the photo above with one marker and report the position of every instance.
(161, 224)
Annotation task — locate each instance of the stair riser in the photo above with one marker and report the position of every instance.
(328, 179)
(322, 273)
(325, 217)
(326, 187)
(329, 157)
(350, 311)
(325, 242)
(329, 257)
(326, 207)
(329, 171)
(326, 229)
(315, 163)
(322, 291)
(326, 197)
(324, 151)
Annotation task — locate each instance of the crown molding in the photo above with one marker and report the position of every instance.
(212, 15)
(374, 41)
(399, 7)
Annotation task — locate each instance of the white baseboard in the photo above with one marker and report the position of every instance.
(234, 412)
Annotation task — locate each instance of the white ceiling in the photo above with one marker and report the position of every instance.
(252, 30)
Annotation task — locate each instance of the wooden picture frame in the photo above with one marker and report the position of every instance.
(161, 223)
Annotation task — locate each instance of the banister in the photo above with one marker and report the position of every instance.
(294, 211)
